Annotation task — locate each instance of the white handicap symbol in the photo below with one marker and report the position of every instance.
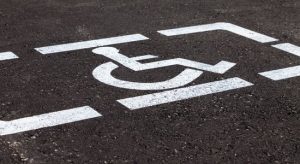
(193, 71)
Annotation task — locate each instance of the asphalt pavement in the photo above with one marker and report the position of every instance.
(90, 81)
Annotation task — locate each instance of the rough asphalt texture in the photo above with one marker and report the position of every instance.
(259, 124)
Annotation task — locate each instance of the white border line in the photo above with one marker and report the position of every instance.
(281, 74)
(91, 43)
(7, 56)
(219, 26)
(288, 47)
(284, 73)
(143, 101)
(47, 120)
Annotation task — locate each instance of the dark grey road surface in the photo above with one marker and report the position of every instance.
(258, 124)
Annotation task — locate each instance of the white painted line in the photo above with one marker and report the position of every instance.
(287, 47)
(47, 120)
(138, 102)
(7, 56)
(144, 57)
(91, 43)
(281, 74)
(219, 26)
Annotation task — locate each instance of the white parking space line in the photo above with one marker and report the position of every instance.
(219, 26)
(143, 101)
(281, 74)
(7, 56)
(91, 44)
(287, 47)
(47, 120)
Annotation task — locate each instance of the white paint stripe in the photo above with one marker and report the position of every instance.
(183, 93)
(7, 56)
(144, 57)
(287, 47)
(47, 120)
(219, 26)
(91, 43)
(281, 74)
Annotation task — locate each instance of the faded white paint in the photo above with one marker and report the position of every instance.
(7, 56)
(288, 47)
(281, 74)
(219, 26)
(91, 44)
(47, 120)
(184, 93)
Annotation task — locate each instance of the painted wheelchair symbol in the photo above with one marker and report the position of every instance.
(194, 69)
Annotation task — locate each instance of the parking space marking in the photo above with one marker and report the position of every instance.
(193, 70)
(281, 74)
(219, 26)
(91, 43)
(7, 56)
(143, 101)
(115, 55)
(47, 120)
(103, 74)
(288, 47)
